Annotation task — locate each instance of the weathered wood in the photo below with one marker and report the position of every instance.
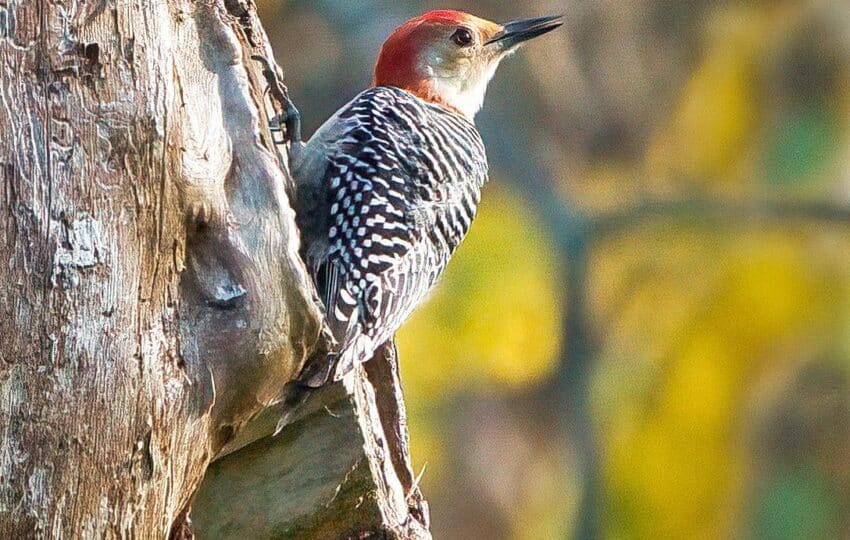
(153, 300)
(339, 470)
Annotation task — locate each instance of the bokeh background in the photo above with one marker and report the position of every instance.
(647, 332)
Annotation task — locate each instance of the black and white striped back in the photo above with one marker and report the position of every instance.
(387, 190)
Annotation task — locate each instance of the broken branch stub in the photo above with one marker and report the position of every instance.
(340, 470)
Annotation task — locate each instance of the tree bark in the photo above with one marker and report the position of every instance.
(153, 300)
(341, 470)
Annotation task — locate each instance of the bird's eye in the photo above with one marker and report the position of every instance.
(462, 37)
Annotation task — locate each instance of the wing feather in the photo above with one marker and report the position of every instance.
(384, 203)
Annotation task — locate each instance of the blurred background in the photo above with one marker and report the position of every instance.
(647, 332)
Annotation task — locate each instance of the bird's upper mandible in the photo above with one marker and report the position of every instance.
(448, 57)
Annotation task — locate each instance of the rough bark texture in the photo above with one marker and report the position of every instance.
(153, 301)
(341, 470)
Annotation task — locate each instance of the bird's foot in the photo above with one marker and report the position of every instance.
(288, 123)
(295, 395)
(290, 118)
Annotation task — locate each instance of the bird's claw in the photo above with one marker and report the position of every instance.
(288, 122)
(290, 118)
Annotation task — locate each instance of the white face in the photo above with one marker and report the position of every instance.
(460, 73)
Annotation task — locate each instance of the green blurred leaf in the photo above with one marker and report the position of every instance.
(797, 506)
(803, 146)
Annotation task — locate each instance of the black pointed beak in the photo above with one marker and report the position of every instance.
(516, 32)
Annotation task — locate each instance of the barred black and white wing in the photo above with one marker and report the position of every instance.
(387, 190)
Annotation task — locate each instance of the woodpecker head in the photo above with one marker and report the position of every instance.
(448, 57)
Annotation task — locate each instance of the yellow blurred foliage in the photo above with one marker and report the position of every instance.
(710, 136)
(674, 461)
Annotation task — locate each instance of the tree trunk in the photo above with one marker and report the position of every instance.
(153, 301)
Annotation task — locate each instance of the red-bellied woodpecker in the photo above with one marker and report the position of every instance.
(387, 188)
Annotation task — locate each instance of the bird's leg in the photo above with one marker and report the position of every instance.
(290, 118)
(291, 121)
(297, 392)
